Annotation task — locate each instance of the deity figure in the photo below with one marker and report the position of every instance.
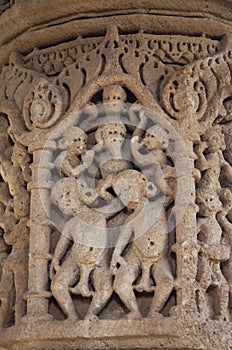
(109, 153)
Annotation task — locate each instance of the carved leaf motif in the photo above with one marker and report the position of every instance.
(17, 81)
(183, 95)
(155, 75)
(42, 106)
(78, 74)
(199, 81)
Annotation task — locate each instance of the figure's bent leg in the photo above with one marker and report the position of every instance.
(61, 284)
(102, 282)
(164, 284)
(222, 295)
(82, 286)
(203, 285)
(21, 277)
(123, 286)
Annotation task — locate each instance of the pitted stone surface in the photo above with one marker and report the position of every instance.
(115, 182)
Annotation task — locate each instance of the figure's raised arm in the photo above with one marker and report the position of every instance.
(136, 150)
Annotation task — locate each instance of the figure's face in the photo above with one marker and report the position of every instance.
(131, 189)
(151, 142)
(215, 141)
(114, 96)
(64, 195)
(111, 133)
(209, 203)
(74, 143)
(41, 108)
(19, 155)
(78, 145)
(86, 194)
(155, 138)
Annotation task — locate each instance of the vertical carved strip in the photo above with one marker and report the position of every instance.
(37, 296)
(186, 248)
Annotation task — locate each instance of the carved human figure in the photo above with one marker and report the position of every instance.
(21, 158)
(110, 141)
(154, 163)
(213, 162)
(213, 251)
(109, 152)
(223, 218)
(148, 249)
(13, 284)
(72, 145)
(88, 254)
(114, 96)
(17, 177)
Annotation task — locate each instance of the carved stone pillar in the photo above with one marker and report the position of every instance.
(115, 175)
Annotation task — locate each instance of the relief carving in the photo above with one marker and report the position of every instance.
(82, 258)
(121, 146)
(15, 234)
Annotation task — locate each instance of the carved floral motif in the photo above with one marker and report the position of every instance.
(42, 106)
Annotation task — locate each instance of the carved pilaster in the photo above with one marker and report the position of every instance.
(40, 229)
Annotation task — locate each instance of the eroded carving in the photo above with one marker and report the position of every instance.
(83, 257)
(42, 106)
(147, 251)
(212, 253)
(81, 155)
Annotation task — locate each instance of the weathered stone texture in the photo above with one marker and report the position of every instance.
(115, 175)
